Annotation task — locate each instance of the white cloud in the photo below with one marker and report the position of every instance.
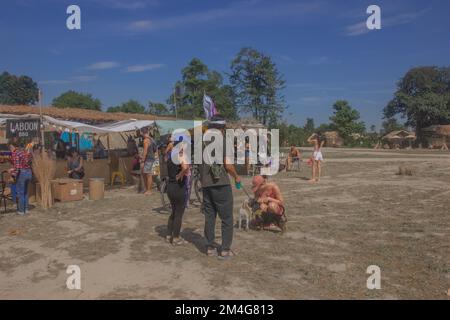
(84, 78)
(320, 61)
(312, 99)
(251, 11)
(103, 65)
(55, 52)
(141, 25)
(54, 82)
(76, 79)
(357, 29)
(143, 67)
(285, 59)
(360, 28)
(128, 4)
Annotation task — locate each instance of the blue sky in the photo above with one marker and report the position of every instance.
(137, 48)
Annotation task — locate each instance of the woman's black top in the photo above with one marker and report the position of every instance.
(174, 169)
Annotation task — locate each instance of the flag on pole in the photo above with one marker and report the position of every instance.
(209, 106)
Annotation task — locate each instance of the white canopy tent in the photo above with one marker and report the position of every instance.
(128, 125)
(112, 135)
(116, 127)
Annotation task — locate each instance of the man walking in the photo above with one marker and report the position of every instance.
(218, 197)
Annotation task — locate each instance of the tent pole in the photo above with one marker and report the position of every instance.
(78, 142)
(42, 120)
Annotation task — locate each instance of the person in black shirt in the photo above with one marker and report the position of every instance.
(218, 197)
(176, 191)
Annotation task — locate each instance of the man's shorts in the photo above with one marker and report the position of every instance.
(148, 167)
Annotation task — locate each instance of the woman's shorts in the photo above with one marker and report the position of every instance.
(318, 156)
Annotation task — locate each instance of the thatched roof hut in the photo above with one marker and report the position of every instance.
(333, 139)
(399, 139)
(399, 134)
(80, 115)
(246, 123)
(437, 136)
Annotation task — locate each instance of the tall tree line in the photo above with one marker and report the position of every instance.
(254, 87)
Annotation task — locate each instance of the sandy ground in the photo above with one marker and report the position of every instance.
(361, 214)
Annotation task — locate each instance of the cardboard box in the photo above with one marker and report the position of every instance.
(65, 190)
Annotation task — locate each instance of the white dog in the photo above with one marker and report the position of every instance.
(245, 212)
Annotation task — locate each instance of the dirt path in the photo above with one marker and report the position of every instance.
(360, 214)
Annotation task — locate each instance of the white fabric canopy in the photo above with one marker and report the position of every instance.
(127, 125)
(116, 127)
(80, 127)
(164, 126)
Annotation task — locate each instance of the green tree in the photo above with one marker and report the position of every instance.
(18, 90)
(422, 97)
(390, 125)
(309, 126)
(73, 99)
(324, 127)
(345, 120)
(131, 106)
(257, 84)
(158, 109)
(291, 134)
(197, 80)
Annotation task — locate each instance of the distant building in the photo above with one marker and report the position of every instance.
(399, 139)
(437, 136)
(333, 139)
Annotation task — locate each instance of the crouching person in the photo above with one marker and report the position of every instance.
(268, 204)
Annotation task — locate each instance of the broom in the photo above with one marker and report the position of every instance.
(44, 168)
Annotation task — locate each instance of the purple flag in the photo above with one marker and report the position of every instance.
(209, 106)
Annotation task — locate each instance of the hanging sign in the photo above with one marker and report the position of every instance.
(22, 128)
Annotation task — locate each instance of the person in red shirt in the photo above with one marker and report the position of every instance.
(21, 162)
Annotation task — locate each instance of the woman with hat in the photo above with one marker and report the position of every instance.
(178, 170)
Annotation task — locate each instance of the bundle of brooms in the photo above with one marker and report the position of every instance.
(44, 168)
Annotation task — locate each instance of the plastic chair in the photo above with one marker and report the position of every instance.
(114, 166)
(295, 161)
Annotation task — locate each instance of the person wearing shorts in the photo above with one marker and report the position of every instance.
(293, 155)
(317, 157)
(148, 159)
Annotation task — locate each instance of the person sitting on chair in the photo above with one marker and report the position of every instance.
(293, 155)
(75, 165)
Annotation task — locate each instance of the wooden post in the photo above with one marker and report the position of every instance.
(41, 120)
